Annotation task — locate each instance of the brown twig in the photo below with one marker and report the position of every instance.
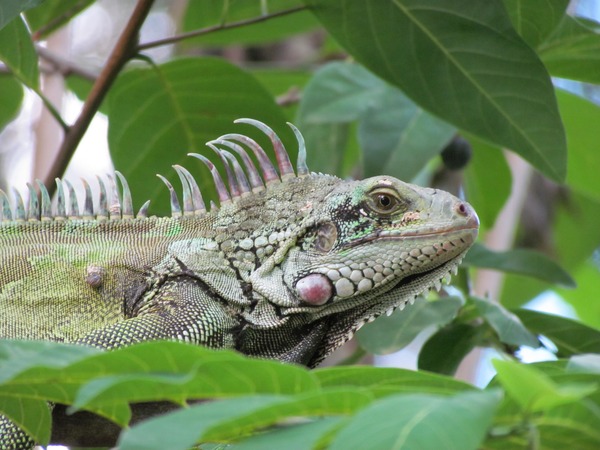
(124, 49)
(215, 28)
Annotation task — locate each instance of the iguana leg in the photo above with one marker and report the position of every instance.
(180, 309)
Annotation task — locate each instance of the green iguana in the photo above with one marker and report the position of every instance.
(288, 266)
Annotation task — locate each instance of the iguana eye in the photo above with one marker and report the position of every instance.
(384, 202)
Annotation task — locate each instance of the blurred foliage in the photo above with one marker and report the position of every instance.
(385, 87)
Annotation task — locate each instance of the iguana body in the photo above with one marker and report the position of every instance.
(288, 267)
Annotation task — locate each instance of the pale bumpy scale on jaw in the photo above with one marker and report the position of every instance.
(287, 266)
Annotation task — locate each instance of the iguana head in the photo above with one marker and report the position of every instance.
(348, 251)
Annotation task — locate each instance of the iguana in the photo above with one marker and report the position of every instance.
(288, 266)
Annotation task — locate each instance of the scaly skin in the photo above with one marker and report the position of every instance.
(289, 271)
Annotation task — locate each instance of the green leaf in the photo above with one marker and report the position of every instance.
(534, 20)
(508, 326)
(461, 61)
(33, 416)
(53, 14)
(572, 50)
(390, 334)
(208, 13)
(534, 390)
(397, 137)
(519, 261)
(159, 114)
(586, 363)
(182, 429)
(421, 421)
(578, 113)
(17, 52)
(9, 9)
(387, 381)
(486, 193)
(231, 419)
(291, 437)
(444, 351)
(11, 94)
(571, 337)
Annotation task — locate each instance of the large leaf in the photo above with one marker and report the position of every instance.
(9, 9)
(572, 51)
(519, 261)
(390, 334)
(386, 381)
(421, 421)
(159, 114)
(460, 60)
(534, 20)
(397, 137)
(11, 94)
(17, 52)
(569, 336)
(207, 13)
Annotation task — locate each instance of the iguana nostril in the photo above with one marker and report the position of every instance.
(462, 209)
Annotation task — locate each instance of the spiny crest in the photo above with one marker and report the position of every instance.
(240, 183)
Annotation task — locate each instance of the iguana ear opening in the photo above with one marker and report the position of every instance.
(326, 237)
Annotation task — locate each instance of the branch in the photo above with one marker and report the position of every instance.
(63, 65)
(215, 28)
(122, 52)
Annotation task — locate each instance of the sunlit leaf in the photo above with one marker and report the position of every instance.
(519, 261)
(535, 391)
(572, 50)
(570, 336)
(579, 115)
(420, 421)
(478, 74)
(390, 334)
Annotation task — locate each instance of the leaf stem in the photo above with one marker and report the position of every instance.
(123, 51)
(220, 27)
